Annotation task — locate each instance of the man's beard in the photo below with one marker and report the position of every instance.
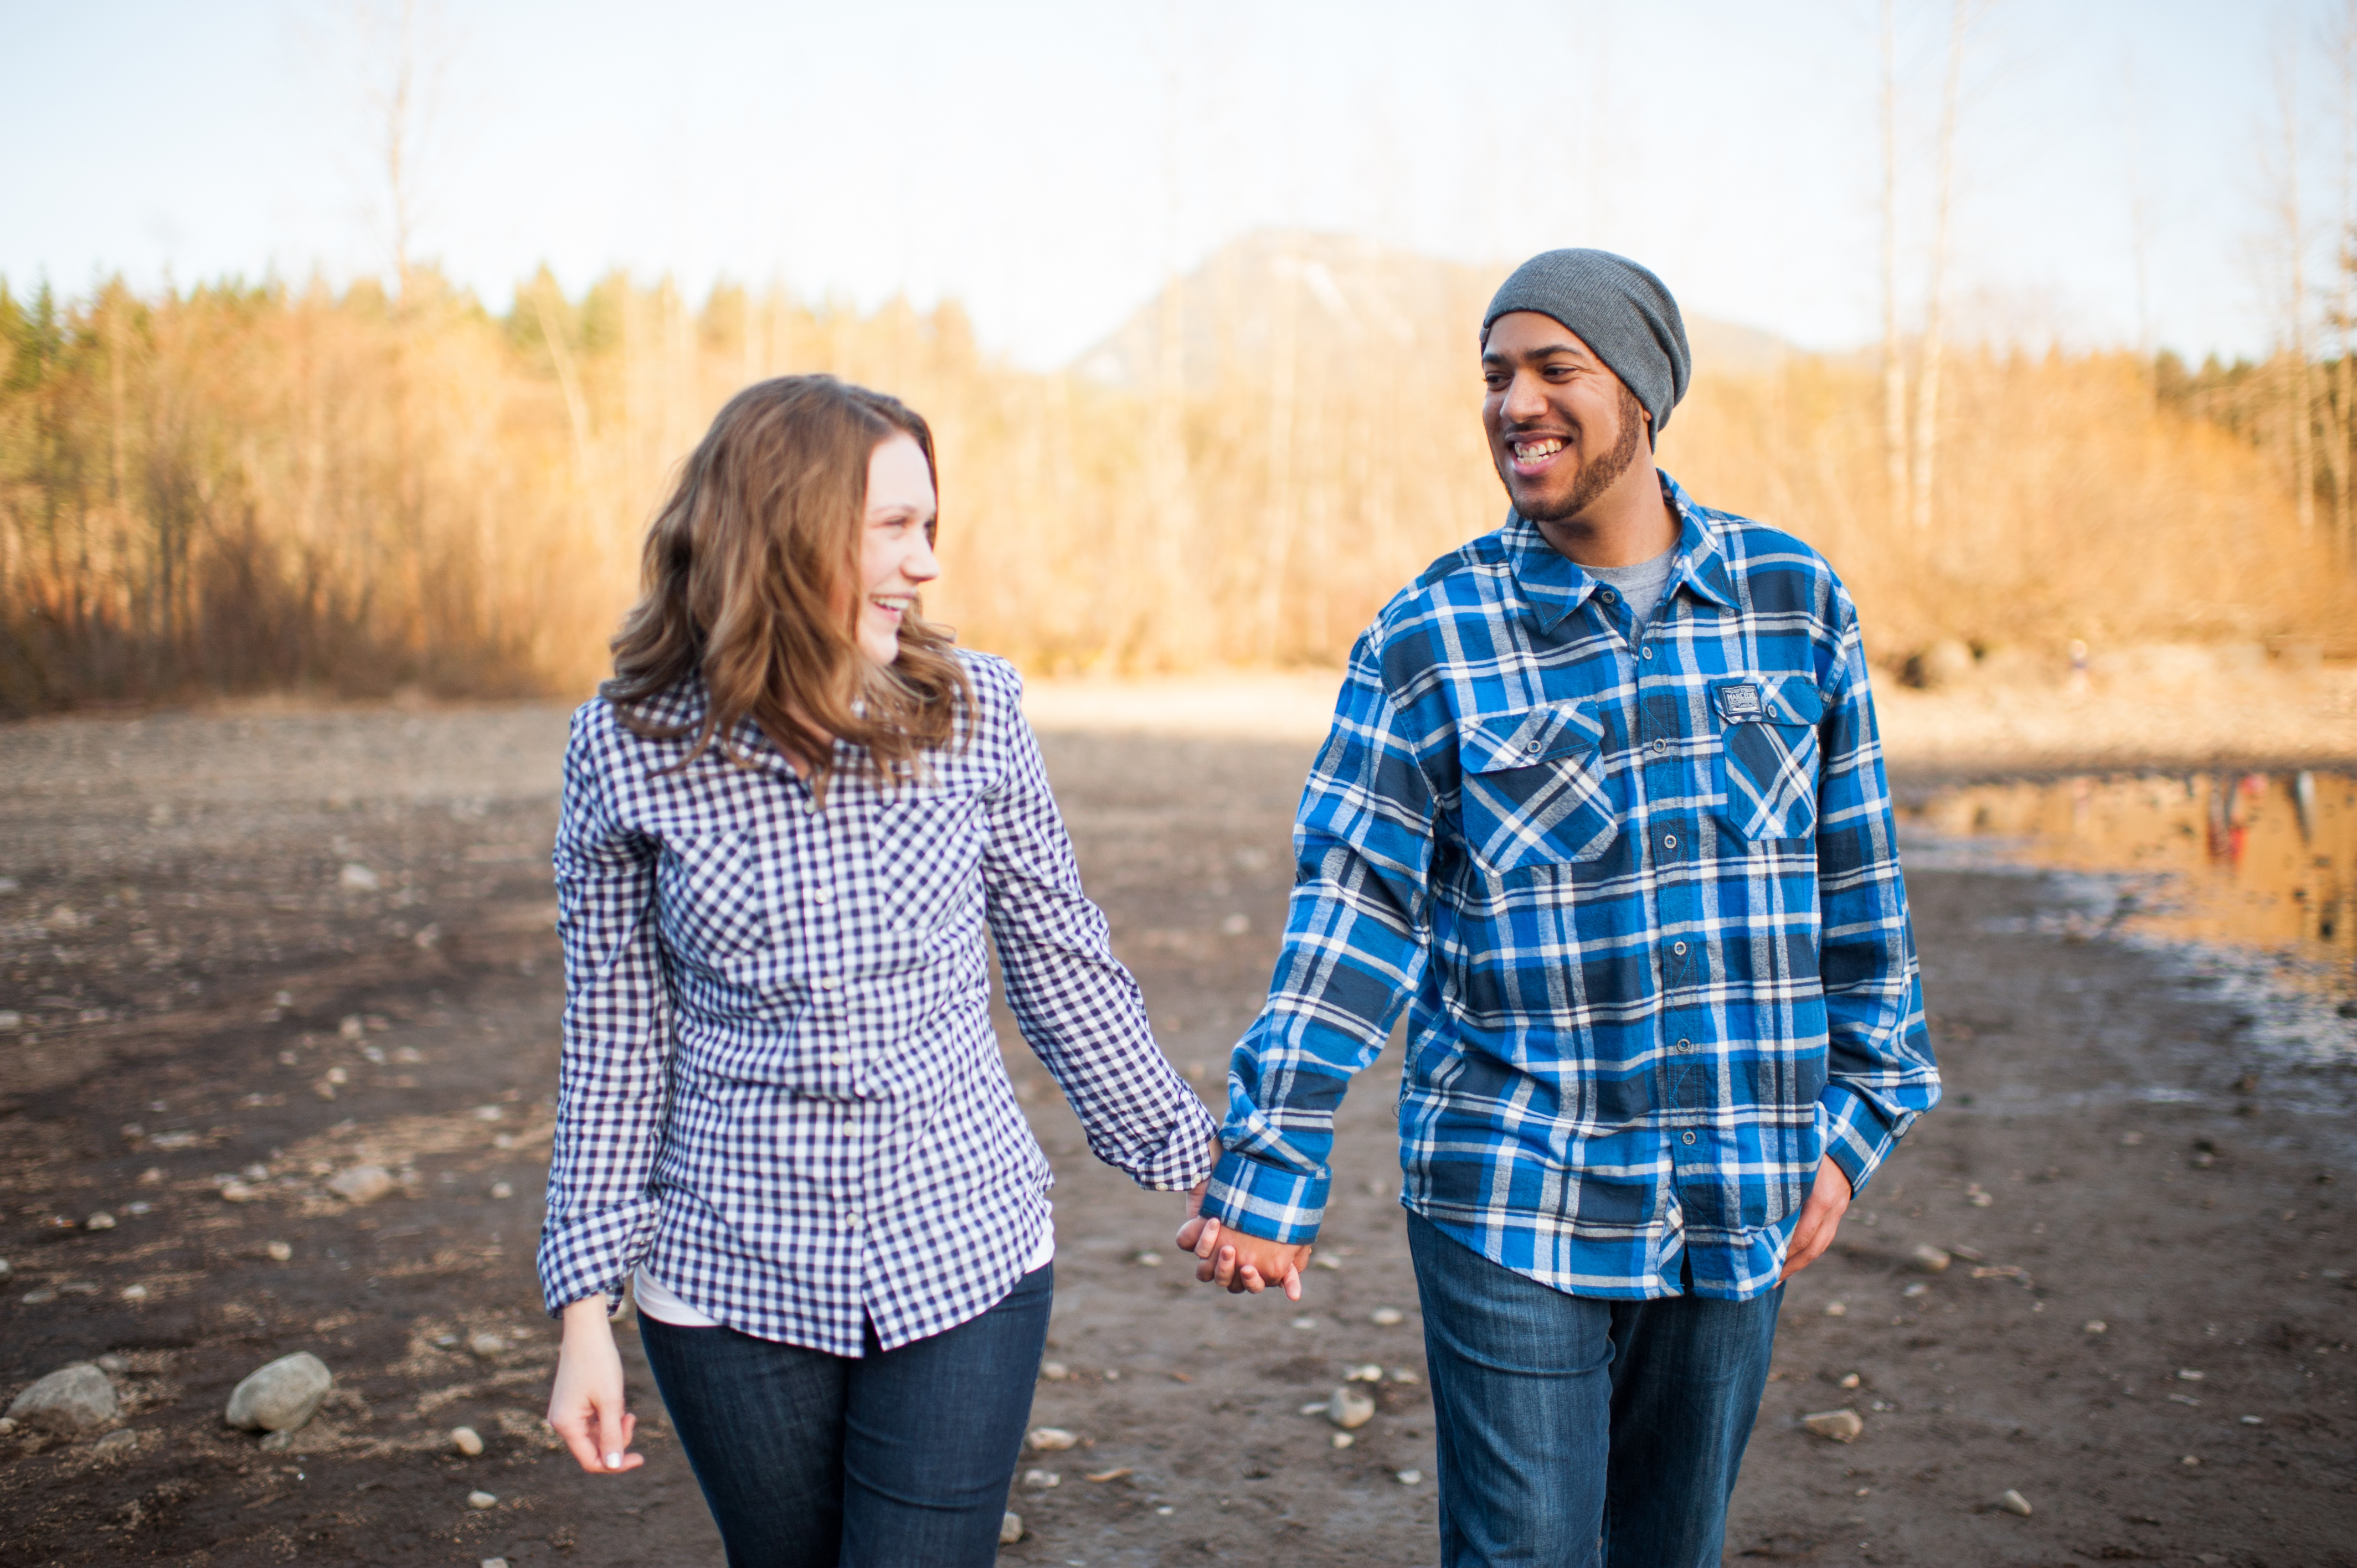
(1599, 476)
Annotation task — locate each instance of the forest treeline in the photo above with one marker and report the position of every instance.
(246, 488)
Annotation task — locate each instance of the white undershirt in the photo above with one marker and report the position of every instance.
(658, 1301)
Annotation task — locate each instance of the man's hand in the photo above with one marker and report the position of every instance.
(585, 1406)
(1820, 1218)
(1241, 1263)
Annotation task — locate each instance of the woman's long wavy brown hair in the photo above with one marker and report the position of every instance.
(751, 582)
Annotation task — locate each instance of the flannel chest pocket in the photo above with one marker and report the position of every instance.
(1768, 754)
(1533, 790)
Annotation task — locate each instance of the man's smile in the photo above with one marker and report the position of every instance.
(1531, 455)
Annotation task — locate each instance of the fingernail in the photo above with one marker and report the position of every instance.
(613, 1461)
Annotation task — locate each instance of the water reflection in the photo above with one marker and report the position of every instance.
(2247, 859)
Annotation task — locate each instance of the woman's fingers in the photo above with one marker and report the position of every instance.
(1206, 1248)
(1191, 1231)
(613, 1428)
(576, 1422)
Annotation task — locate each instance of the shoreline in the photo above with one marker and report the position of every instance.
(2260, 721)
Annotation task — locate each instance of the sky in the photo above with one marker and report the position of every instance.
(1049, 164)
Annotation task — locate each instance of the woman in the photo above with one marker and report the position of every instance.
(788, 823)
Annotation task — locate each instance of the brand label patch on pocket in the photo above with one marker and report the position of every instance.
(1741, 698)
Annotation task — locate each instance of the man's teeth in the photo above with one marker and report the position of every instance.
(1533, 451)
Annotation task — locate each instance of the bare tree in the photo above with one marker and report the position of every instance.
(1927, 391)
(406, 56)
(1277, 543)
(2139, 216)
(2287, 204)
(2341, 42)
(1894, 361)
(1175, 625)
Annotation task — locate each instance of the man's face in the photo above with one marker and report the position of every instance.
(1562, 426)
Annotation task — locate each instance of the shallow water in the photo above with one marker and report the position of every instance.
(2264, 863)
(2247, 859)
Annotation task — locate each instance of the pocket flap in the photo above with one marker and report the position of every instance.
(1525, 739)
(1769, 700)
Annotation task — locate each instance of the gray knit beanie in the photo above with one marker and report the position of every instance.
(1619, 309)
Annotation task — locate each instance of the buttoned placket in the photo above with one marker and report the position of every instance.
(829, 900)
(1686, 1082)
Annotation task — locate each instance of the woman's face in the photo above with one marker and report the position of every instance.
(896, 547)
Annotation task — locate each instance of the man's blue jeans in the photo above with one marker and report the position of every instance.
(892, 1458)
(1575, 1432)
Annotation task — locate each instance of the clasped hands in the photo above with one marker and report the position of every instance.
(1243, 1265)
(1251, 1264)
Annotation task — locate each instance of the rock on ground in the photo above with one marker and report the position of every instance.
(281, 1396)
(71, 1398)
(1349, 1407)
(1841, 1425)
(362, 1184)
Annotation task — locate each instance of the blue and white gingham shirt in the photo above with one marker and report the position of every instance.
(781, 1089)
(1646, 901)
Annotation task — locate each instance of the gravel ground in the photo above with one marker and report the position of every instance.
(260, 949)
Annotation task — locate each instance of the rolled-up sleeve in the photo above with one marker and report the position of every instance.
(610, 1095)
(1076, 1005)
(1879, 1071)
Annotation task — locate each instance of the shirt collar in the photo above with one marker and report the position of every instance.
(1555, 584)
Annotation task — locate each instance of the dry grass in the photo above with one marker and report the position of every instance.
(239, 490)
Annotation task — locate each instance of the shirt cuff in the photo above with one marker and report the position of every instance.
(593, 1255)
(1856, 1136)
(1184, 1159)
(1266, 1200)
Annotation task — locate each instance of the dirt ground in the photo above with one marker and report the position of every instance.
(261, 949)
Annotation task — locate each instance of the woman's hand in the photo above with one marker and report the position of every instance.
(585, 1406)
(1244, 1263)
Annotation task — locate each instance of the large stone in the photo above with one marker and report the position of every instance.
(281, 1396)
(362, 1184)
(71, 1398)
(1840, 1425)
(1349, 1409)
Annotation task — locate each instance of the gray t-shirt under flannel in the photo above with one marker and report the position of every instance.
(1640, 587)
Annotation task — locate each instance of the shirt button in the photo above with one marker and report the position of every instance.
(1688, 1138)
(1679, 948)
(1686, 1044)
(1661, 745)
(839, 1058)
(822, 895)
(826, 982)
(1607, 596)
(809, 807)
(1669, 840)
(1649, 653)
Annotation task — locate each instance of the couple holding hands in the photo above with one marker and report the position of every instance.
(1602, 807)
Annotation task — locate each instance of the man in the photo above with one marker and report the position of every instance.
(1603, 804)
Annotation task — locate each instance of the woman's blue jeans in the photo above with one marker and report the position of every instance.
(1575, 1432)
(895, 1458)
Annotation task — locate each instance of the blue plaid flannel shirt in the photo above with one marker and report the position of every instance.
(780, 1088)
(1646, 901)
